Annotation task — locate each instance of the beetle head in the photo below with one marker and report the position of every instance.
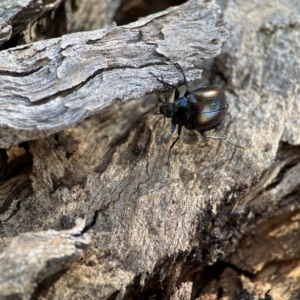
(166, 109)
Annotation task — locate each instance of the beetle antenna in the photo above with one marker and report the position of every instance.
(168, 84)
(177, 65)
(159, 99)
(221, 138)
(165, 89)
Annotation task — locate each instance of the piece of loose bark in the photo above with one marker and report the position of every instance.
(16, 15)
(32, 257)
(90, 14)
(71, 16)
(50, 85)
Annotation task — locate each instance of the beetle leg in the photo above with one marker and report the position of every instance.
(165, 89)
(176, 96)
(179, 133)
(161, 131)
(221, 138)
(173, 128)
(165, 92)
(161, 101)
(166, 139)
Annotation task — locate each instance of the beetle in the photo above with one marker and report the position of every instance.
(202, 109)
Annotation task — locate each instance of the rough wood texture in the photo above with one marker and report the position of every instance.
(33, 257)
(16, 15)
(91, 14)
(168, 231)
(50, 85)
(71, 16)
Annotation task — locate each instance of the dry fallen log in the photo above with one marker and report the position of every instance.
(168, 231)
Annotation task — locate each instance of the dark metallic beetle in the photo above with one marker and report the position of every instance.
(202, 109)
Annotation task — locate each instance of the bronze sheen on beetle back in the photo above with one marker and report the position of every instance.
(202, 109)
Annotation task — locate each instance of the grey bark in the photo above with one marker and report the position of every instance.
(156, 227)
(32, 257)
(59, 82)
(16, 15)
(91, 15)
(31, 18)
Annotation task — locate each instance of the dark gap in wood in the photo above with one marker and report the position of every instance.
(44, 286)
(21, 164)
(291, 155)
(130, 11)
(113, 296)
(14, 41)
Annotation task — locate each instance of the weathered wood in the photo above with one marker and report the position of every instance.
(70, 16)
(50, 85)
(157, 227)
(91, 15)
(16, 15)
(33, 257)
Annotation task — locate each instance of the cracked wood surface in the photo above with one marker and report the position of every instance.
(51, 85)
(157, 226)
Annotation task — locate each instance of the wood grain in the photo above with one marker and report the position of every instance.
(51, 85)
